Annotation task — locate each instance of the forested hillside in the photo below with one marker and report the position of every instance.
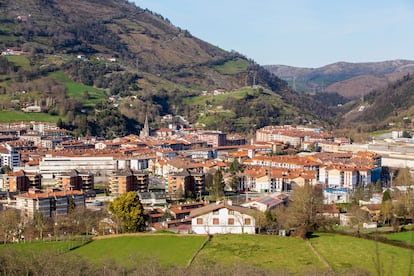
(99, 67)
(385, 108)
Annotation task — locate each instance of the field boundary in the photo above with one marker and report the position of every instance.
(320, 257)
(190, 262)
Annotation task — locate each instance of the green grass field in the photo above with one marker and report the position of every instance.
(21, 61)
(217, 99)
(344, 253)
(39, 247)
(292, 255)
(167, 249)
(270, 252)
(76, 90)
(16, 116)
(233, 67)
(406, 237)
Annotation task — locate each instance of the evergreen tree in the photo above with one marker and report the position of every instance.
(218, 184)
(129, 210)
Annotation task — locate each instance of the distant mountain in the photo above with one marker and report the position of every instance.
(78, 53)
(384, 108)
(349, 80)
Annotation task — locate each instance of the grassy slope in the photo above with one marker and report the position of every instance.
(271, 252)
(168, 249)
(76, 90)
(16, 116)
(406, 237)
(39, 247)
(344, 253)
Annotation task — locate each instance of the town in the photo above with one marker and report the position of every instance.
(193, 181)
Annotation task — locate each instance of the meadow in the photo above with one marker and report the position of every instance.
(77, 90)
(16, 116)
(167, 249)
(344, 253)
(331, 252)
(404, 237)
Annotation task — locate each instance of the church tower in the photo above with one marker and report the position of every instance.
(145, 131)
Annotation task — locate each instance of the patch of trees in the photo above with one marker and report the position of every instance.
(102, 75)
(105, 121)
(6, 67)
(387, 103)
(330, 99)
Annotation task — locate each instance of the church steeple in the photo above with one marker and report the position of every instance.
(145, 132)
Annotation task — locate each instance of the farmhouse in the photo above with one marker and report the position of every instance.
(223, 218)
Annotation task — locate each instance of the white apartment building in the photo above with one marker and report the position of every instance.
(51, 166)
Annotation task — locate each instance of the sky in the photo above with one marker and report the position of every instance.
(303, 33)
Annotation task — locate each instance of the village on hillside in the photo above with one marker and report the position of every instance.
(197, 181)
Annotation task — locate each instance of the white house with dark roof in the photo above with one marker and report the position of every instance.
(223, 218)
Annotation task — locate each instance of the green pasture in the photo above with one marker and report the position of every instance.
(344, 253)
(21, 61)
(217, 99)
(15, 116)
(270, 252)
(77, 90)
(405, 237)
(167, 249)
(42, 246)
(233, 67)
(293, 255)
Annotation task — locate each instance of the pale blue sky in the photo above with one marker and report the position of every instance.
(305, 33)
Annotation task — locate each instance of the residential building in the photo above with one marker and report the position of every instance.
(128, 180)
(51, 203)
(22, 181)
(186, 182)
(223, 218)
(213, 138)
(75, 180)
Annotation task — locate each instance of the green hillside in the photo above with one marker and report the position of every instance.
(246, 254)
(76, 54)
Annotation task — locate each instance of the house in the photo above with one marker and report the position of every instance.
(266, 203)
(22, 18)
(223, 218)
(182, 211)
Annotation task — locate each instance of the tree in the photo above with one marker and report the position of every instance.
(403, 177)
(302, 213)
(10, 224)
(218, 184)
(386, 207)
(358, 218)
(129, 210)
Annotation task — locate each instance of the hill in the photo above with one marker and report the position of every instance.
(349, 80)
(75, 55)
(383, 108)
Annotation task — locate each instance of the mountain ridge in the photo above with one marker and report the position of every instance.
(330, 78)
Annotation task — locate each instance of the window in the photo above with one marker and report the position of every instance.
(199, 221)
(247, 221)
(215, 212)
(230, 221)
(231, 212)
(215, 221)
